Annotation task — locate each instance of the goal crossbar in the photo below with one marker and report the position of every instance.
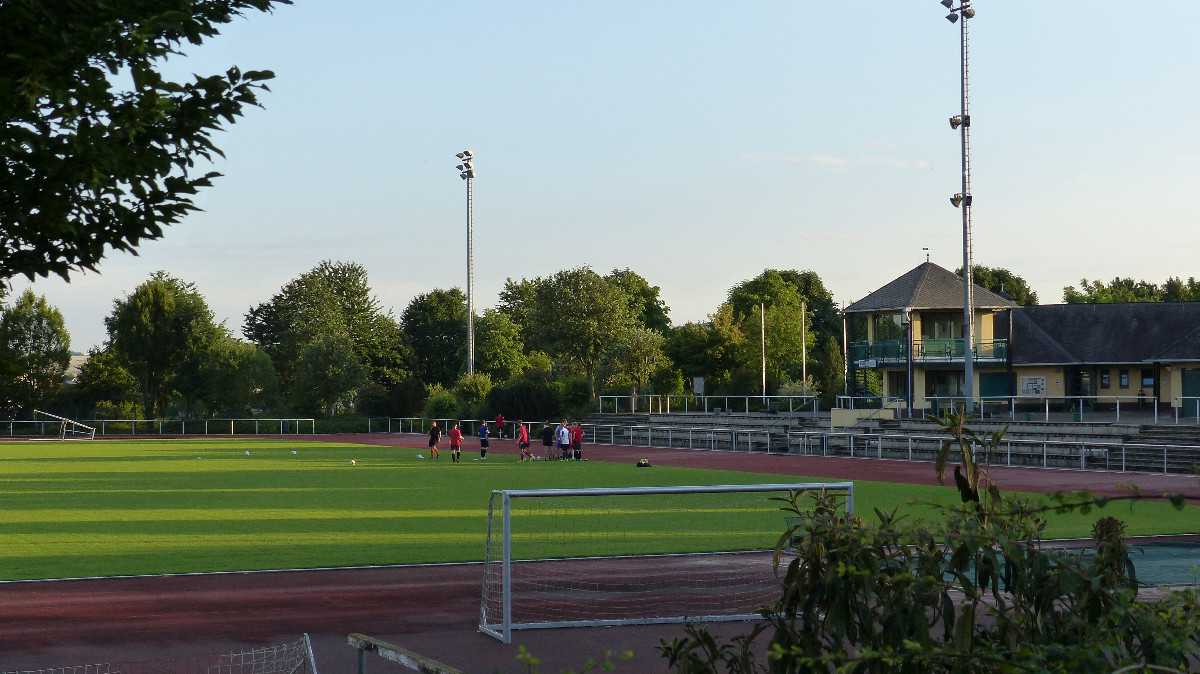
(558, 570)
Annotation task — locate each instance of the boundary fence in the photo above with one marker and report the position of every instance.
(697, 404)
(1079, 454)
(125, 427)
(1107, 408)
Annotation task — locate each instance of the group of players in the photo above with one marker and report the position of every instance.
(566, 438)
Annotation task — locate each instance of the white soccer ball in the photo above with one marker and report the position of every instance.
(247, 452)
(293, 452)
(420, 457)
(351, 462)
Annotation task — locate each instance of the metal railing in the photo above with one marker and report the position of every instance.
(925, 350)
(867, 402)
(715, 404)
(1079, 454)
(110, 427)
(1107, 454)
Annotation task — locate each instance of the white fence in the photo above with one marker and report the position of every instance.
(689, 404)
(134, 427)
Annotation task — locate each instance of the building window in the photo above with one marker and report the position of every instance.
(1147, 378)
(1105, 381)
(1124, 379)
(888, 327)
(941, 326)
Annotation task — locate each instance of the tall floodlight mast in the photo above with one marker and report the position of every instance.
(962, 122)
(466, 171)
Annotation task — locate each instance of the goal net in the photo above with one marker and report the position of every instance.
(633, 555)
(291, 658)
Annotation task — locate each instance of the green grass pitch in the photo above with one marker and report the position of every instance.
(105, 508)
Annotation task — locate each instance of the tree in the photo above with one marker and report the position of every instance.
(435, 331)
(764, 288)
(831, 374)
(1118, 290)
(35, 350)
(329, 372)
(644, 303)
(1001, 280)
(1128, 290)
(712, 350)
(499, 352)
(787, 337)
(156, 330)
(102, 379)
(332, 298)
(91, 167)
(517, 302)
(1175, 290)
(638, 355)
(235, 377)
(582, 316)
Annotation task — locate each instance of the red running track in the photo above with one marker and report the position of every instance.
(432, 610)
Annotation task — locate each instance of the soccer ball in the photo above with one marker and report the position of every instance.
(351, 462)
(293, 452)
(247, 452)
(420, 456)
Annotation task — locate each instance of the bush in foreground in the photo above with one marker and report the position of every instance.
(977, 592)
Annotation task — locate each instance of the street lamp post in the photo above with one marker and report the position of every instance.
(962, 122)
(466, 171)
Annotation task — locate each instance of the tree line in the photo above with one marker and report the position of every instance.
(323, 346)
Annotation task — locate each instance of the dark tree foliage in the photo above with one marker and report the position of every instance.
(644, 303)
(103, 379)
(435, 331)
(746, 296)
(1000, 280)
(35, 350)
(979, 592)
(163, 325)
(332, 298)
(1127, 290)
(99, 149)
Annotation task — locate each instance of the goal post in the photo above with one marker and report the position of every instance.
(69, 426)
(634, 555)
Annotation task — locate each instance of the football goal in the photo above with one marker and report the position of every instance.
(634, 555)
(290, 658)
(69, 428)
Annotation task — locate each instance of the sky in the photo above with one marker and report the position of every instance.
(695, 143)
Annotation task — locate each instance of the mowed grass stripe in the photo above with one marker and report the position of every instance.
(73, 509)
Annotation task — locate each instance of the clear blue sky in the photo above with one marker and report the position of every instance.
(696, 143)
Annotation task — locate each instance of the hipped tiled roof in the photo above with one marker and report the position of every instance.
(927, 287)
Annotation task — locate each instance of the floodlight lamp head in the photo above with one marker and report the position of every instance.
(952, 18)
(469, 173)
(956, 200)
(969, 12)
(467, 154)
(460, 155)
(463, 176)
(956, 121)
(947, 3)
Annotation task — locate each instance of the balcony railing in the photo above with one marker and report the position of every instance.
(892, 351)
